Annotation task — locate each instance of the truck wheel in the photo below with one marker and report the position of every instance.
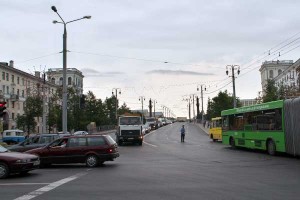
(231, 142)
(141, 143)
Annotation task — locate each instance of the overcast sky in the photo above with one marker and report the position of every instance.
(159, 49)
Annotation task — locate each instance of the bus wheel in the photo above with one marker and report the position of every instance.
(231, 142)
(271, 147)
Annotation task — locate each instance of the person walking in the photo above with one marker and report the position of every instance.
(182, 133)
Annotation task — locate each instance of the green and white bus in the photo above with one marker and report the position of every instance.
(272, 126)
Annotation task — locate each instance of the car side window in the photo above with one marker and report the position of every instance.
(96, 141)
(77, 142)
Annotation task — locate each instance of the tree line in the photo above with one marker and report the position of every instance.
(82, 109)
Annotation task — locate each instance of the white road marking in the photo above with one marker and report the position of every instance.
(149, 144)
(14, 184)
(49, 187)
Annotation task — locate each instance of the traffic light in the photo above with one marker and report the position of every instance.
(2, 108)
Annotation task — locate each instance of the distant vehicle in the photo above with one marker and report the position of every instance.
(90, 149)
(129, 130)
(14, 162)
(181, 119)
(152, 122)
(146, 128)
(13, 136)
(215, 130)
(80, 133)
(35, 141)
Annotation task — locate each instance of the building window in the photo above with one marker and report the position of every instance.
(271, 75)
(7, 90)
(7, 77)
(13, 116)
(13, 91)
(279, 71)
(69, 81)
(23, 82)
(3, 89)
(13, 104)
(22, 93)
(18, 80)
(12, 78)
(53, 80)
(3, 75)
(60, 80)
(18, 92)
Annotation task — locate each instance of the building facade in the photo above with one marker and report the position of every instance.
(74, 78)
(272, 69)
(15, 87)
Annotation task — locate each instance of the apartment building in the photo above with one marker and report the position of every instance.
(15, 86)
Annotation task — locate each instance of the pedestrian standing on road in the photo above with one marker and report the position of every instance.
(182, 133)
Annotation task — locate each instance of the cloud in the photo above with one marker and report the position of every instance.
(87, 72)
(178, 72)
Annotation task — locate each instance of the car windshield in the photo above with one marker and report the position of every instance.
(2, 149)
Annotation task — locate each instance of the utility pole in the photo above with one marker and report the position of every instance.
(154, 102)
(197, 105)
(233, 67)
(142, 99)
(116, 94)
(202, 111)
(44, 105)
(150, 107)
(189, 106)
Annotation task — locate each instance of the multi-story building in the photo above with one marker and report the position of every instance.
(74, 78)
(284, 73)
(248, 102)
(272, 69)
(15, 86)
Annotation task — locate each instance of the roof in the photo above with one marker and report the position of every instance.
(257, 107)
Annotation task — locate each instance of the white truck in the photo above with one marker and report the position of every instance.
(129, 130)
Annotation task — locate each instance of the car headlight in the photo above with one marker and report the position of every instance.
(23, 161)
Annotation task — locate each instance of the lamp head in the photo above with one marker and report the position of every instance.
(54, 8)
(87, 17)
(226, 72)
(54, 22)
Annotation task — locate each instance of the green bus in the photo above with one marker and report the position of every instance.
(272, 126)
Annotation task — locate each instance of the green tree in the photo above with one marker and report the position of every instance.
(219, 103)
(33, 108)
(270, 92)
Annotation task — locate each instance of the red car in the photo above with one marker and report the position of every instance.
(13, 162)
(90, 149)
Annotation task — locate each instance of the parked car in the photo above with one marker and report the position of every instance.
(35, 141)
(14, 162)
(13, 136)
(90, 149)
(80, 133)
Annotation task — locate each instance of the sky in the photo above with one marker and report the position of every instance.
(158, 49)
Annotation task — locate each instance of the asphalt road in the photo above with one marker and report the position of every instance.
(165, 168)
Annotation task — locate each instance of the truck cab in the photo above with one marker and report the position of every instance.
(129, 130)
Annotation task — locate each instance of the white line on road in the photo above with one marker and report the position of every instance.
(149, 144)
(49, 187)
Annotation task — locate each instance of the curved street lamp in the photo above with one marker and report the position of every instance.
(65, 91)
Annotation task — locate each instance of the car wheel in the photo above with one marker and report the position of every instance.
(120, 143)
(231, 142)
(91, 161)
(4, 171)
(271, 148)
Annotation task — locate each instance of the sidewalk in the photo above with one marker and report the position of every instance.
(205, 129)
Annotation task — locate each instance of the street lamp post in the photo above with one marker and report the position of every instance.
(65, 91)
(202, 111)
(142, 99)
(116, 89)
(154, 102)
(233, 67)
